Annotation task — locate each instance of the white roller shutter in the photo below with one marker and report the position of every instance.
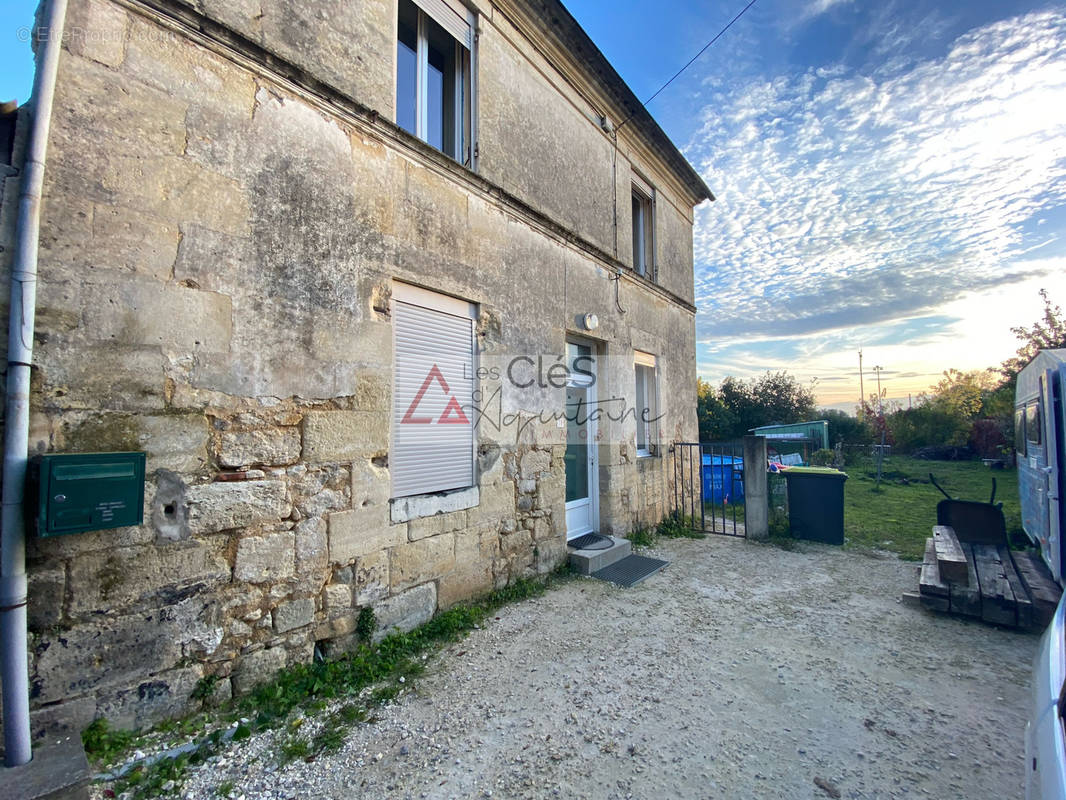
(433, 389)
(452, 16)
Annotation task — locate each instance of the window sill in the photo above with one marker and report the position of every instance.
(405, 509)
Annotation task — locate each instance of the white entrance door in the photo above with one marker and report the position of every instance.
(582, 480)
(1052, 384)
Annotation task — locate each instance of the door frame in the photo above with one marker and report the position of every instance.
(592, 428)
(1054, 422)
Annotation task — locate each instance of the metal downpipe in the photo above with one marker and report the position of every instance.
(13, 655)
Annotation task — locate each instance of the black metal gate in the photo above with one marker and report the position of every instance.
(709, 487)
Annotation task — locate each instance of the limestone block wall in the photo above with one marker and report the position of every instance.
(217, 250)
(538, 133)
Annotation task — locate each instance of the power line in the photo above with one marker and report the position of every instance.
(691, 60)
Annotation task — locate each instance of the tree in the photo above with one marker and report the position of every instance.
(716, 422)
(965, 393)
(781, 398)
(877, 413)
(992, 435)
(946, 415)
(929, 422)
(737, 406)
(844, 426)
(1047, 333)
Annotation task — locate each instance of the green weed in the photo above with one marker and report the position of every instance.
(331, 736)
(294, 748)
(205, 688)
(366, 624)
(104, 744)
(679, 527)
(641, 536)
(309, 687)
(671, 527)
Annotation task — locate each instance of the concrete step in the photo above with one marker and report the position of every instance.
(57, 771)
(588, 561)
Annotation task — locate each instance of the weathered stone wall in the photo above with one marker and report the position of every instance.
(217, 252)
(538, 137)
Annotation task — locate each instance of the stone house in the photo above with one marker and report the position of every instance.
(342, 270)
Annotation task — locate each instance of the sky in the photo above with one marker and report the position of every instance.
(16, 58)
(889, 176)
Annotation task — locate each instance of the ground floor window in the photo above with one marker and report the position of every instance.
(646, 405)
(433, 414)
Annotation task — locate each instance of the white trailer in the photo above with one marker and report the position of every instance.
(1040, 441)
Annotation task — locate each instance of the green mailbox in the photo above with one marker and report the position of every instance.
(79, 492)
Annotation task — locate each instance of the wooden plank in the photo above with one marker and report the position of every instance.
(1043, 591)
(929, 584)
(1021, 596)
(912, 599)
(997, 598)
(934, 603)
(966, 598)
(950, 559)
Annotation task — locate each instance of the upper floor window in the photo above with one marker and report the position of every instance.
(433, 67)
(643, 229)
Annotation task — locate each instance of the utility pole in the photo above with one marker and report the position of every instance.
(880, 406)
(862, 397)
(881, 414)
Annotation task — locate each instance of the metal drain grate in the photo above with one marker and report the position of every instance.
(631, 570)
(590, 541)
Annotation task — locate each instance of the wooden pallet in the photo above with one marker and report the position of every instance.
(992, 589)
(1042, 588)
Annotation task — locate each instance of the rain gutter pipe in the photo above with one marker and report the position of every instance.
(13, 661)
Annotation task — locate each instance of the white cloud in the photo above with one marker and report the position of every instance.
(970, 332)
(848, 199)
(816, 8)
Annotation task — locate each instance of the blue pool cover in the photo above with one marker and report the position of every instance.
(723, 476)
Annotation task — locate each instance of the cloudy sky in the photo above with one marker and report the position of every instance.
(890, 176)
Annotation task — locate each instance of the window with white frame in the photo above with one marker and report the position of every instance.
(433, 74)
(646, 407)
(433, 412)
(643, 229)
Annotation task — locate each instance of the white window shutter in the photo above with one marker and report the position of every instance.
(432, 408)
(452, 16)
(644, 359)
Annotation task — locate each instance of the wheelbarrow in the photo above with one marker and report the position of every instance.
(973, 521)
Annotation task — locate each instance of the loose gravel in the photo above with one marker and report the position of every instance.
(742, 670)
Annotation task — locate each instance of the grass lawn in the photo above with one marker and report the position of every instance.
(901, 515)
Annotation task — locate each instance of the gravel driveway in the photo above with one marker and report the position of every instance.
(743, 670)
